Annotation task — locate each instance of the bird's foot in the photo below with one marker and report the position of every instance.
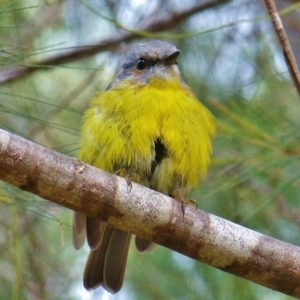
(184, 201)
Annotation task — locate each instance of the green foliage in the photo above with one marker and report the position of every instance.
(236, 71)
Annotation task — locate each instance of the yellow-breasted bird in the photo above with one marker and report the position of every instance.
(149, 124)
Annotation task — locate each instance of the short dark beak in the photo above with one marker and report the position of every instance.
(171, 59)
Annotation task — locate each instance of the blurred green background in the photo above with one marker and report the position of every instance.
(237, 70)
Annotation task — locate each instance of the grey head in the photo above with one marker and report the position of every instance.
(154, 59)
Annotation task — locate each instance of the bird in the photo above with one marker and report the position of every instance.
(146, 125)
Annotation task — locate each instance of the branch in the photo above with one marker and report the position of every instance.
(111, 44)
(285, 44)
(149, 214)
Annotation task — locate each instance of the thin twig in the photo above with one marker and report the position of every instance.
(285, 44)
(110, 44)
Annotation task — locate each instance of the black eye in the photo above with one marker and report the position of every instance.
(141, 64)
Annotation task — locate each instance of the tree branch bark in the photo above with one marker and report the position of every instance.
(149, 214)
(111, 44)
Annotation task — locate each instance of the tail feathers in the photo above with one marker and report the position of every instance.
(106, 265)
(78, 230)
(143, 245)
(93, 232)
